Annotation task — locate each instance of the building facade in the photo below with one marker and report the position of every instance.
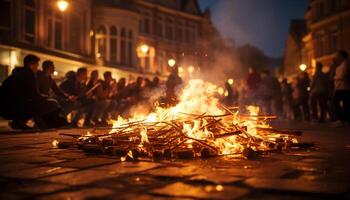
(328, 31)
(129, 38)
(294, 45)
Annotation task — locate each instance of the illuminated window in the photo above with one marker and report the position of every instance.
(101, 42)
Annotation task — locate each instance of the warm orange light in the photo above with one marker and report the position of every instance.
(302, 67)
(181, 69)
(190, 69)
(62, 5)
(230, 81)
(171, 62)
(144, 48)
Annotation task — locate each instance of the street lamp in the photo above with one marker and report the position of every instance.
(230, 81)
(171, 62)
(144, 48)
(62, 5)
(303, 67)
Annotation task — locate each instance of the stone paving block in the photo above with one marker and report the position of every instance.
(203, 192)
(80, 178)
(298, 185)
(128, 167)
(38, 172)
(42, 188)
(87, 162)
(6, 167)
(217, 178)
(90, 193)
(174, 172)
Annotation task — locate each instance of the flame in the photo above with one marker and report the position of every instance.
(55, 143)
(199, 97)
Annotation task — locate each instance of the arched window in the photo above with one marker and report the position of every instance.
(130, 48)
(123, 46)
(101, 42)
(113, 44)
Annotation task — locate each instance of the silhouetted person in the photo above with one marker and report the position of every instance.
(342, 88)
(253, 81)
(286, 93)
(301, 96)
(103, 100)
(20, 99)
(319, 92)
(270, 93)
(230, 96)
(155, 82)
(173, 81)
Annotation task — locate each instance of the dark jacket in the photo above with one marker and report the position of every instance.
(19, 96)
(20, 86)
(46, 84)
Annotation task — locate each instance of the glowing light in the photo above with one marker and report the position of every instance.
(55, 73)
(144, 48)
(302, 67)
(190, 69)
(62, 5)
(221, 90)
(230, 81)
(171, 62)
(55, 143)
(219, 188)
(181, 69)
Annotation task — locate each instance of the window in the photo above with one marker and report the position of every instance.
(113, 44)
(75, 33)
(146, 26)
(130, 48)
(160, 61)
(169, 29)
(179, 32)
(123, 46)
(58, 35)
(101, 42)
(188, 35)
(160, 27)
(333, 41)
(5, 15)
(54, 27)
(29, 20)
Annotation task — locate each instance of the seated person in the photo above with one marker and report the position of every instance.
(47, 85)
(76, 86)
(20, 99)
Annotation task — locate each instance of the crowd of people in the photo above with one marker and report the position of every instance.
(32, 94)
(320, 98)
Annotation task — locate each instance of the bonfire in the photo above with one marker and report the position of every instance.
(198, 126)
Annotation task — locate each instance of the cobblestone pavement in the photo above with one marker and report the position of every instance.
(32, 169)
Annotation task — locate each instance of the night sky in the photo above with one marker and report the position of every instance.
(263, 23)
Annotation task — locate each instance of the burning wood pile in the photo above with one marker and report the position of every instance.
(196, 127)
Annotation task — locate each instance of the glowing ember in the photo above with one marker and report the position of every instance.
(55, 143)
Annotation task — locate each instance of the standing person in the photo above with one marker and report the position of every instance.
(286, 91)
(173, 81)
(20, 99)
(269, 93)
(342, 88)
(253, 81)
(230, 96)
(319, 92)
(304, 83)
